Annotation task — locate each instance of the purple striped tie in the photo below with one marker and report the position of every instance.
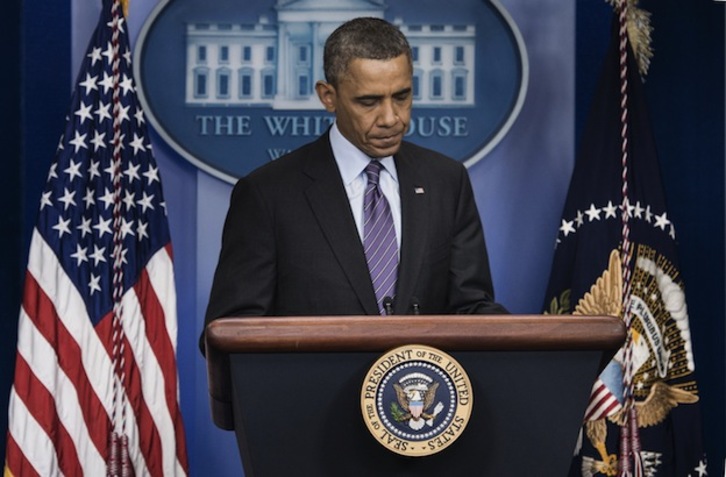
(379, 237)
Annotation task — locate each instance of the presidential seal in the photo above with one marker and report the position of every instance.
(416, 400)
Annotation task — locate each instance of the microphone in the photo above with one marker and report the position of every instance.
(415, 306)
(388, 305)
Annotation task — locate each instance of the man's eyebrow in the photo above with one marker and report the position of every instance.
(365, 97)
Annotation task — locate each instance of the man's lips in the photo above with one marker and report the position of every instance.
(387, 140)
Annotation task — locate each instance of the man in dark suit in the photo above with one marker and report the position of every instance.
(296, 236)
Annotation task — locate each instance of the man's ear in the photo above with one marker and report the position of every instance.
(327, 94)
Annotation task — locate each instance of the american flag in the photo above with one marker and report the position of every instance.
(96, 385)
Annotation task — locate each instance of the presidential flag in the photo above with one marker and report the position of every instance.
(616, 255)
(96, 386)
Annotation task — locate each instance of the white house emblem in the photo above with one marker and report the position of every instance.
(231, 85)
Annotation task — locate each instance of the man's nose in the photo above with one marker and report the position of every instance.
(388, 114)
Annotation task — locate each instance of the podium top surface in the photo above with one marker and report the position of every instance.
(452, 332)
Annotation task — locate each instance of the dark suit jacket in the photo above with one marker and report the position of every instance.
(290, 245)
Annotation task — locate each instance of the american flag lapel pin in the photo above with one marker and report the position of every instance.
(418, 190)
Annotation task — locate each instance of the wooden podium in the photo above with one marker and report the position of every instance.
(290, 388)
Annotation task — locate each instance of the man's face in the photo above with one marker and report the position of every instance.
(372, 104)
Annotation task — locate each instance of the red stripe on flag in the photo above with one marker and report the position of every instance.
(15, 460)
(149, 438)
(42, 313)
(611, 406)
(164, 351)
(602, 402)
(104, 332)
(41, 405)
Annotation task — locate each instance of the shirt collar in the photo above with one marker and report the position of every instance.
(351, 160)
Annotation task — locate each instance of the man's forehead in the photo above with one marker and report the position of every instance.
(371, 71)
(397, 61)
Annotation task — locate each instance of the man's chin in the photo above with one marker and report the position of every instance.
(383, 150)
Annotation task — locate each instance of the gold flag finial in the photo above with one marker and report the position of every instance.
(639, 32)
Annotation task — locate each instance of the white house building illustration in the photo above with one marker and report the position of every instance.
(276, 64)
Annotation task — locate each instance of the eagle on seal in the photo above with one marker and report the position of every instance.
(416, 400)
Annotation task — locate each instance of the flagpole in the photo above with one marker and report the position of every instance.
(119, 463)
(630, 462)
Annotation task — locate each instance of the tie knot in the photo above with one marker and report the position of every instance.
(373, 171)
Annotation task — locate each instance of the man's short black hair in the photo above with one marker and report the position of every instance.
(365, 37)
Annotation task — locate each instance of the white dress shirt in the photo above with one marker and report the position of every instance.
(352, 163)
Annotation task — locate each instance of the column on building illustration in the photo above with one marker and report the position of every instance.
(231, 63)
(443, 63)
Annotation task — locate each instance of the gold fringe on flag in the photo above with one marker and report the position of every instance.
(639, 33)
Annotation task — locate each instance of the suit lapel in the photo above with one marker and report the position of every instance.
(330, 205)
(414, 217)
